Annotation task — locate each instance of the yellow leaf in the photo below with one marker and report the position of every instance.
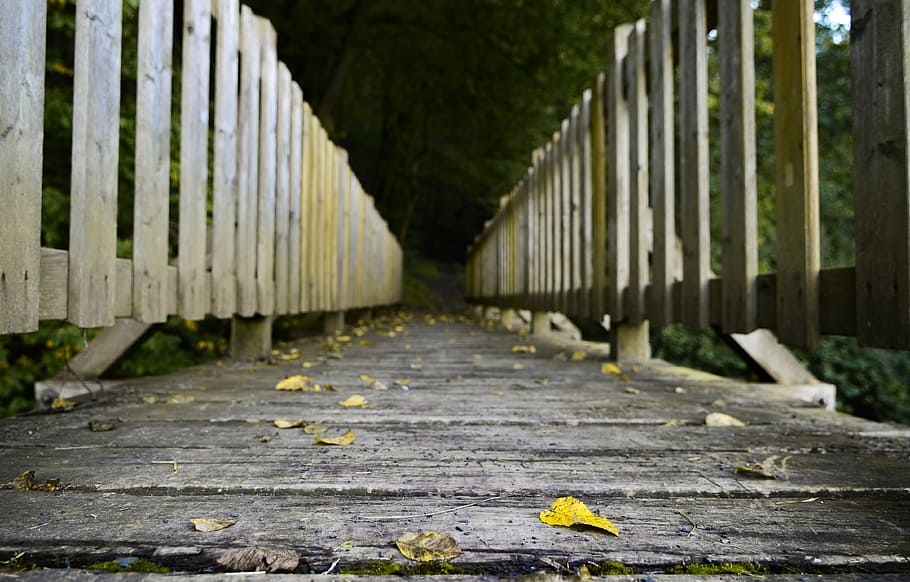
(632, 390)
(309, 364)
(721, 419)
(402, 382)
(568, 511)
(377, 385)
(675, 422)
(207, 525)
(517, 366)
(298, 382)
(610, 368)
(366, 342)
(523, 349)
(285, 423)
(61, 403)
(354, 400)
(179, 399)
(367, 379)
(578, 356)
(345, 439)
(428, 546)
(315, 429)
(343, 339)
(24, 482)
(542, 381)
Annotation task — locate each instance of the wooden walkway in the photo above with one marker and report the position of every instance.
(482, 440)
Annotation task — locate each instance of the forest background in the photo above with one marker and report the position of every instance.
(439, 104)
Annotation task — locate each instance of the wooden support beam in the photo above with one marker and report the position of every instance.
(251, 337)
(248, 163)
(268, 170)
(796, 179)
(880, 64)
(598, 199)
(636, 83)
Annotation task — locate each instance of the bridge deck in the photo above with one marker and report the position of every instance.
(479, 444)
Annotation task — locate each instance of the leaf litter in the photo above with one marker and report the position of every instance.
(205, 524)
(355, 400)
(343, 440)
(568, 511)
(428, 546)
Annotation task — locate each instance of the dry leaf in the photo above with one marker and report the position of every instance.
(343, 440)
(287, 423)
(367, 379)
(24, 482)
(632, 390)
(207, 525)
(675, 422)
(578, 356)
(517, 366)
(354, 400)
(50, 485)
(366, 342)
(343, 339)
(402, 382)
(377, 385)
(309, 364)
(428, 546)
(721, 419)
(62, 404)
(100, 426)
(542, 381)
(179, 399)
(148, 399)
(524, 349)
(259, 560)
(297, 382)
(315, 429)
(416, 366)
(767, 469)
(568, 511)
(610, 368)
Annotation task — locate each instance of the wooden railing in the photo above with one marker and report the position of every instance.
(591, 229)
(291, 228)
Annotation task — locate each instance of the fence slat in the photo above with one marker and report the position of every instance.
(663, 163)
(796, 177)
(598, 199)
(617, 174)
(575, 206)
(22, 44)
(586, 211)
(343, 213)
(282, 200)
(306, 211)
(738, 165)
(194, 131)
(880, 62)
(268, 138)
(693, 159)
(93, 198)
(295, 193)
(248, 163)
(638, 182)
(224, 178)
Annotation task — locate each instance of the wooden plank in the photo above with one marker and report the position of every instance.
(22, 44)
(306, 198)
(880, 73)
(226, 163)
(248, 164)
(343, 213)
(663, 163)
(93, 194)
(296, 194)
(618, 178)
(268, 173)
(796, 176)
(564, 260)
(693, 159)
(738, 165)
(586, 184)
(637, 80)
(575, 207)
(354, 237)
(599, 251)
(194, 131)
(283, 201)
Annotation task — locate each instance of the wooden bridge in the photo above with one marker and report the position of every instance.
(316, 457)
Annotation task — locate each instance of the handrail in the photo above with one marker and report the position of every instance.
(292, 229)
(591, 229)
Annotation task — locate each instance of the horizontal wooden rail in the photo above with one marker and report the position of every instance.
(592, 229)
(291, 230)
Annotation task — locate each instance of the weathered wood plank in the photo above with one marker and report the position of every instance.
(306, 210)
(575, 209)
(93, 194)
(663, 162)
(22, 44)
(248, 163)
(225, 178)
(693, 160)
(599, 251)
(194, 131)
(268, 172)
(739, 190)
(796, 175)
(618, 178)
(636, 82)
(295, 257)
(342, 248)
(283, 201)
(880, 74)
(586, 211)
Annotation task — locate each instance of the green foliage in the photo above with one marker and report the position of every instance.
(744, 569)
(703, 350)
(176, 344)
(609, 569)
(141, 565)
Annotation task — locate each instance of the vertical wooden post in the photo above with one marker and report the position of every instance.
(738, 165)
(93, 199)
(295, 194)
(663, 162)
(22, 44)
(268, 144)
(576, 287)
(693, 159)
(617, 174)
(796, 180)
(306, 209)
(344, 211)
(549, 210)
(224, 180)
(248, 163)
(194, 131)
(880, 63)
(283, 191)
(598, 200)
(251, 337)
(587, 216)
(637, 76)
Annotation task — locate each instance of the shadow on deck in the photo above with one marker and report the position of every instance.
(470, 439)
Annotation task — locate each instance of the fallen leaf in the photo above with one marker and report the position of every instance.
(287, 423)
(568, 511)
(24, 482)
(149, 399)
(343, 440)
(264, 438)
(62, 404)
(297, 382)
(367, 379)
(721, 419)
(578, 356)
(542, 381)
(632, 390)
(343, 339)
(259, 560)
(610, 368)
(416, 366)
(766, 469)
(402, 382)
(320, 388)
(346, 545)
(428, 546)
(675, 422)
(366, 342)
(353, 400)
(205, 524)
(100, 426)
(517, 366)
(50, 485)
(719, 403)
(179, 399)
(315, 429)
(377, 385)
(309, 364)
(524, 349)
